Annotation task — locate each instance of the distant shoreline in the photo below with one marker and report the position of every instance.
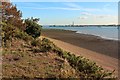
(83, 25)
(91, 42)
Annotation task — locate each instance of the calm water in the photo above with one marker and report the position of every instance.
(104, 32)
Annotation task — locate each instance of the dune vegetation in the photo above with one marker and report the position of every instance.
(27, 56)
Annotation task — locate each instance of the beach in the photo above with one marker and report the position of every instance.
(103, 52)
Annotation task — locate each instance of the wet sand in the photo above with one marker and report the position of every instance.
(90, 42)
(103, 52)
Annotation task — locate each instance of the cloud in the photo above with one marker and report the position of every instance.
(78, 7)
(83, 17)
(98, 19)
(72, 5)
(53, 8)
(101, 16)
(68, 6)
(94, 16)
(86, 13)
(87, 17)
(105, 16)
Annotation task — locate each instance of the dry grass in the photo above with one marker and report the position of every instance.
(20, 62)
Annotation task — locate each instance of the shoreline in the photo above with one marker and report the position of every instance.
(107, 62)
(104, 38)
(103, 52)
(90, 42)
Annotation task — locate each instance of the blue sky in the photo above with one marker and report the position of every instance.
(67, 12)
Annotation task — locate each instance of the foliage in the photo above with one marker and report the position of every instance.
(13, 27)
(9, 31)
(11, 15)
(43, 45)
(23, 35)
(47, 45)
(32, 27)
(36, 42)
(86, 69)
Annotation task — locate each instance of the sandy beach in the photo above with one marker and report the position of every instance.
(103, 52)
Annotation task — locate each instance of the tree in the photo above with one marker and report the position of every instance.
(32, 27)
(11, 15)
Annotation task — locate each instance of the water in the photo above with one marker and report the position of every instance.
(104, 32)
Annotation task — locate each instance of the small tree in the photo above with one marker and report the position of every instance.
(11, 15)
(32, 27)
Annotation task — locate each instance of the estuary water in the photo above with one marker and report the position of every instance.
(103, 31)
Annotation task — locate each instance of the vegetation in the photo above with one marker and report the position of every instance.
(10, 32)
(85, 68)
(30, 57)
(32, 27)
(11, 15)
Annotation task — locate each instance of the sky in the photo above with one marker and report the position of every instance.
(62, 13)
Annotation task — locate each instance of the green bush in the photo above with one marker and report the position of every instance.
(36, 42)
(86, 69)
(32, 27)
(58, 50)
(22, 35)
(46, 45)
(9, 31)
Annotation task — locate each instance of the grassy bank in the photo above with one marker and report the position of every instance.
(43, 59)
(27, 57)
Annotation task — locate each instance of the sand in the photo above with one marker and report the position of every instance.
(103, 52)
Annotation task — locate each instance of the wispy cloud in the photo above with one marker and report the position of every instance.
(78, 7)
(63, 8)
(73, 6)
(53, 8)
(67, 6)
(85, 15)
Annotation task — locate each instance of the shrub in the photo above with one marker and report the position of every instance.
(59, 51)
(46, 45)
(85, 68)
(36, 42)
(7, 34)
(22, 35)
(32, 27)
(9, 31)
